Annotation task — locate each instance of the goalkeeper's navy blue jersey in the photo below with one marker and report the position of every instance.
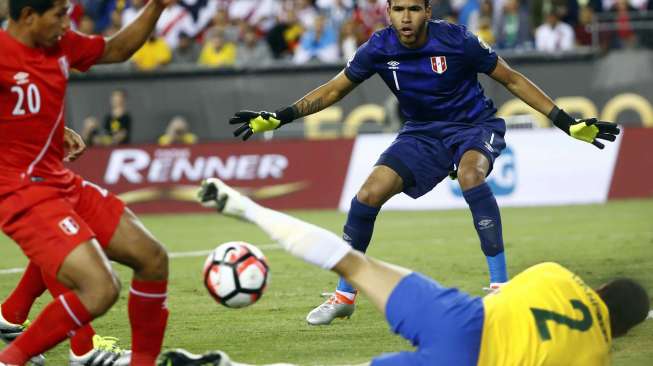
(436, 82)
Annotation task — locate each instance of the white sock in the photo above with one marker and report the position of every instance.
(301, 239)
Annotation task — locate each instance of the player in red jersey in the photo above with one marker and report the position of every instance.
(66, 226)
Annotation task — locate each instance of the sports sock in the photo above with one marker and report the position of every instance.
(61, 318)
(301, 239)
(82, 342)
(487, 221)
(16, 307)
(358, 233)
(148, 316)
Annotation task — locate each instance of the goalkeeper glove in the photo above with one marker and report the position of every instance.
(588, 130)
(255, 122)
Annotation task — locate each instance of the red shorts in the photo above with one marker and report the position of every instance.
(49, 221)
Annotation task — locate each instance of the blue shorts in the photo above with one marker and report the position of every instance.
(445, 324)
(424, 153)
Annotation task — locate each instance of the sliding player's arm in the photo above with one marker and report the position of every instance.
(127, 41)
(588, 130)
(322, 97)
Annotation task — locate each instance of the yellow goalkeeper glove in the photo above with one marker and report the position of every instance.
(588, 130)
(255, 122)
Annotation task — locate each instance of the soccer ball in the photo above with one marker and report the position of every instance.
(236, 274)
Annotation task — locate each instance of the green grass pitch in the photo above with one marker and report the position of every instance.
(597, 241)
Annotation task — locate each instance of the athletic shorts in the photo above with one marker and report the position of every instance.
(424, 153)
(49, 221)
(445, 324)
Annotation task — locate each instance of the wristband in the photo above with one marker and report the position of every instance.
(561, 119)
(286, 115)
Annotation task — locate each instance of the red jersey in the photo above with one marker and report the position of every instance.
(33, 84)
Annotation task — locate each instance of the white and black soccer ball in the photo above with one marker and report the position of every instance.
(236, 274)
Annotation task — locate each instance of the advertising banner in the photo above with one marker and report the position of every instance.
(282, 175)
(633, 174)
(538, 167)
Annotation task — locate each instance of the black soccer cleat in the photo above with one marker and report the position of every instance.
(181, 357)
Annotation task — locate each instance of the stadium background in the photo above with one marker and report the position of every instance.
(565, 201)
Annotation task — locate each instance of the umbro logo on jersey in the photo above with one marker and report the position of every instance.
(69, 226)
(439, 64)
(393, 65)
(21, 78)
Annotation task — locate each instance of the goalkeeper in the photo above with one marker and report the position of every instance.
(432, 68)
(545, 316)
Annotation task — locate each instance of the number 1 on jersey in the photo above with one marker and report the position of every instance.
(542, 316)
(394, 73)
(33, 100)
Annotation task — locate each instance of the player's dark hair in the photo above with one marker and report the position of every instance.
(426, 3)
(40, 6)
(627, 302)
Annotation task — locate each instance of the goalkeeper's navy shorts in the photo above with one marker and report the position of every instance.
(424, 153)
(445, 324)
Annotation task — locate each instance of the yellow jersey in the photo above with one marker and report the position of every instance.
(545, 316)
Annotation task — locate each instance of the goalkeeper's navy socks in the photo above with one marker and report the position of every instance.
(487, 221)
(358, 232)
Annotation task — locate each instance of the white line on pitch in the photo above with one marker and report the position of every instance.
(191, 254)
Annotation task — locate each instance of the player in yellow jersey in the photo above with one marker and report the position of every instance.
(545, 315)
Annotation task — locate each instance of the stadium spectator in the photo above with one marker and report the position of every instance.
(177, 133)
(351, 36)
(306, 13)
(625, 34)
(252, 51)
(633, 4)
(4, 11)
(115, 25)
(337, 11)
(469, 15)
(512, 28)
(372, 13)
(118, 122)
(539, 9)
(554, 35)
(485, 32)
(284, 37)
(92, 133)
(584, 27)
(217, 52)
(87, 25)
(130, 13)
(223, 23)
(187, 51)
(318, 43)
(154, 54)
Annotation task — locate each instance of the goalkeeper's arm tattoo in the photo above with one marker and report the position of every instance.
(305, 107)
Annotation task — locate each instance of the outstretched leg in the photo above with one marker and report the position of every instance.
(437, 319)
(309, 242)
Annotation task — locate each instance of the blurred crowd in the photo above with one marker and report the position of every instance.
(225, 33)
